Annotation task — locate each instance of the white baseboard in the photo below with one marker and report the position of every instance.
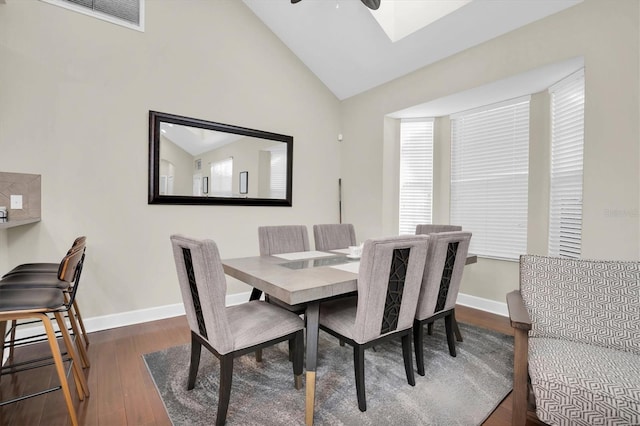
(498, 308)
(122, 319)
(152, 314)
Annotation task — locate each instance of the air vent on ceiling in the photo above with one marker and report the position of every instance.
(129, 13)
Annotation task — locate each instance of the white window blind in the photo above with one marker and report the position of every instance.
(567, 142)
(416, 173)
(489, 177)
(221, 178)
(278, 181)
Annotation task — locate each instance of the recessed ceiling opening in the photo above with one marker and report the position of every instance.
(399, 18)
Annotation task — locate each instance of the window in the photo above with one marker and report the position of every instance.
(567, 142)
(278, 180)
(221, 178)
(489, 177)
(128, 13)
(416, 173)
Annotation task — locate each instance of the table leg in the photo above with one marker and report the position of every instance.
(311, 315)
(255, 294)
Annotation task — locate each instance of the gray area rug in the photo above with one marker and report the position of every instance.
(455, 391)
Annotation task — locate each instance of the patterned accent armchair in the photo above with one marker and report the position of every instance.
(577, 341)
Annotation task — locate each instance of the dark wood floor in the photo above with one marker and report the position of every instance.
(122, 392)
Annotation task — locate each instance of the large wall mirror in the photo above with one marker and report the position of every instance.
(193, 161)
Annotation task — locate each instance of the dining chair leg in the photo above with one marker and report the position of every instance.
(418, 339)
(358, 364)
(196, 349)
(81, 383)
(298, 358)
(224, 392)
(451, 341)
(291, 348)
(57, 358)
(255, 295)
(408, 359)
(456, 329)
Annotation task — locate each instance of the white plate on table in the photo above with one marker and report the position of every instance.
(353, 256)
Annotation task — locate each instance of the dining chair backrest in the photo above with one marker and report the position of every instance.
(282, 239)
(431, 229)
(334, 236)
(389, 281)
(204, 288)
(443, 272)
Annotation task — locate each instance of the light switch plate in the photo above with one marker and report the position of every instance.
(16, 202)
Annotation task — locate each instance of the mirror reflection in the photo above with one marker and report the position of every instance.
(199, 162)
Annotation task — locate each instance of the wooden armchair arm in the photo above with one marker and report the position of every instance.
(517, 311)
(521, 323)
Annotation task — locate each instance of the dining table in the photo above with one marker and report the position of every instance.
(303, 279)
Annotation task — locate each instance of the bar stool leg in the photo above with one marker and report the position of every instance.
(57, 358)
(84, 357)
(3, 330)
(85, 336)
(12, 339)
(78, 374)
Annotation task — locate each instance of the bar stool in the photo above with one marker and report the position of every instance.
(52, 269)
(37, 304)
(44, 267)
(61, 280)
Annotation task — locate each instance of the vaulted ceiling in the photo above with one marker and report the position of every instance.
(347, 48)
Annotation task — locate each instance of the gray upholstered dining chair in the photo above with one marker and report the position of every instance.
(440, 285)
(389, 279)
(334, 236)
(227, 332)
(279, 240)
(428, 229)
(282, 239)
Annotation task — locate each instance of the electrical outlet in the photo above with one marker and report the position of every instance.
(16, 202)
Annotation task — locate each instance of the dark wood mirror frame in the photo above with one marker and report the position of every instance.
(156, 118)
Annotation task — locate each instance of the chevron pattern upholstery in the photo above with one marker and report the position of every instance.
(584, 344)
(579, 384)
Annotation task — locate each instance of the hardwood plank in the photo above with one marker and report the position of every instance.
(111, 407)
(131, 370)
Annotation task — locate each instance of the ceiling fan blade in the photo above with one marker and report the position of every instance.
(371, 4)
